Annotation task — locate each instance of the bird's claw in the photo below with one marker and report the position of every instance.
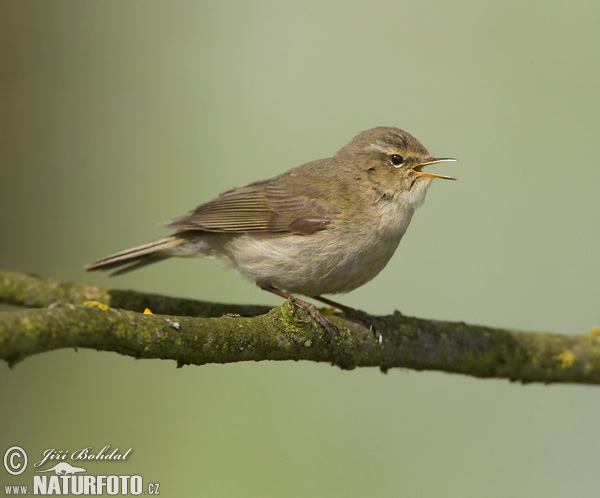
(329, 327)
(366, 320)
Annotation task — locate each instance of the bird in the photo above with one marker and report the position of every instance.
(325, 227)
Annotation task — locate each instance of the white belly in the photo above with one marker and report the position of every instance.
(332, 261)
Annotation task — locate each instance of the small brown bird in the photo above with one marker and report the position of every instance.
(326, 227)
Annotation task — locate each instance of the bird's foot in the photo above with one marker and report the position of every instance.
(354, 314)
(330, 328)
(366, 319)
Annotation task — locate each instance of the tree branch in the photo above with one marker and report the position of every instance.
(194, 332)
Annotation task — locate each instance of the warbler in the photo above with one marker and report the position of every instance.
(325, 227)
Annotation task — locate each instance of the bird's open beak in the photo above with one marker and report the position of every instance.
(433, 160)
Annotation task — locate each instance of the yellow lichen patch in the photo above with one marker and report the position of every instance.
(147, 311)
(567, 358)
(595, 333)
(328, 311)
(96, 304)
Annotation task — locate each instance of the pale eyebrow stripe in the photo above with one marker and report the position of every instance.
(381, 147)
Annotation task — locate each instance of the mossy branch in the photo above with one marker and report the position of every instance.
(192, 332)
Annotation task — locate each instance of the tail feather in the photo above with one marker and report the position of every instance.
(138, 256)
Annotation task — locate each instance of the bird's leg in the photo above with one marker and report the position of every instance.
(327, 324)
(361, 316)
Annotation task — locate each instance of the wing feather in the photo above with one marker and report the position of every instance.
(261, 208)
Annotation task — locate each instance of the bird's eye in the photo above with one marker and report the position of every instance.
(396, 159)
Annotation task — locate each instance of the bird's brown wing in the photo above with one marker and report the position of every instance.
(259, 208)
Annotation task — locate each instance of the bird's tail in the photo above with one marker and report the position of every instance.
(138, 256)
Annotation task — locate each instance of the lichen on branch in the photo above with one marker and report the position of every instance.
(67, 315)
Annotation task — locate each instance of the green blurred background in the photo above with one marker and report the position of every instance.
(118, 116)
